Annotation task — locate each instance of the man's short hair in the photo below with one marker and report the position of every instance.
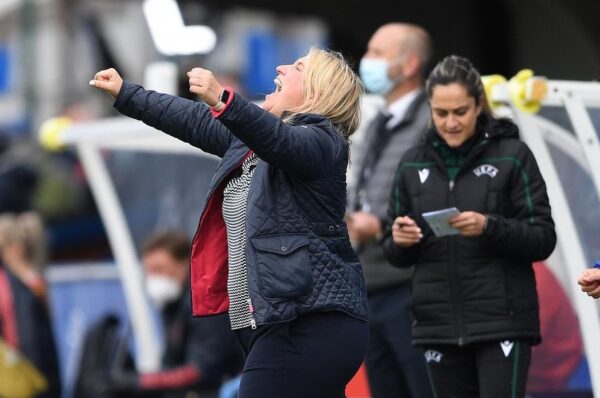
(176, 243)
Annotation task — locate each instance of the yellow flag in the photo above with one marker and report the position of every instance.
(18, 377)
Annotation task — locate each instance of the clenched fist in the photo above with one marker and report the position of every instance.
(108, 80)
(589, 280)
(203, 83)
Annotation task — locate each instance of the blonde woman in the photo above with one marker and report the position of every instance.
(24, 319)
(271, 247)
(24, 249)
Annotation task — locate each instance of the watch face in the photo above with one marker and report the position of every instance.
(224, 96)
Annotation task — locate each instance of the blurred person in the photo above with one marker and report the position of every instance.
(24, 315)
(558, 357)
(199, 354)
(272, 248)
(474, 296)
(18, 177)
(23, 245)
(589, 280)
(393, 68)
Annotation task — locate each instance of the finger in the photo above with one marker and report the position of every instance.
(101, 84)
(591, 275)
(197, 81)
(412, 235)
(594, 293)
(461, 222)
(405, 221)
(105, 74)
(198, 72)
(589, 287)
(413, 231)
(197, 90)
(459, 217)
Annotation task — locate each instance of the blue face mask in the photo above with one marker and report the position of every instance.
(374, 74)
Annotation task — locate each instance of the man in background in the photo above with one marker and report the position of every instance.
(393, 67)
(200, 353)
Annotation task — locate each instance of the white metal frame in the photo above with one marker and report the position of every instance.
(574, 97)
(123, 134)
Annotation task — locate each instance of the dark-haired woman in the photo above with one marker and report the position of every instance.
(474, 297)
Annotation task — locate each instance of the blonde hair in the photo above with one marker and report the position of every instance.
(25, 229)
(331, 89)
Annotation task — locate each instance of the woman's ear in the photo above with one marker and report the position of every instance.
(480, 104)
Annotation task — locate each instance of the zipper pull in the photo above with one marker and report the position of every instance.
(252, 320)
(451, 185)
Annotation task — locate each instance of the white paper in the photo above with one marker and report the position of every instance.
(438, 221)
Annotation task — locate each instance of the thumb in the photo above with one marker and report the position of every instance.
(101, 84)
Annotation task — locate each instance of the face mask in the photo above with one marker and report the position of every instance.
(374, 74)
(162, 289)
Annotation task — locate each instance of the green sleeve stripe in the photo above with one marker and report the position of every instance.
(515, 369)
(433, 391)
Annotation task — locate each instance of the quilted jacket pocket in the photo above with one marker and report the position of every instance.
(283, 265)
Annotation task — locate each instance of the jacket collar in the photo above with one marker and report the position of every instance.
(411, 112)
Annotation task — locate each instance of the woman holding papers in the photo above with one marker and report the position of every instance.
(474, 297)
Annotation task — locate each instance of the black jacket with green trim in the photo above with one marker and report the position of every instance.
(468, 290)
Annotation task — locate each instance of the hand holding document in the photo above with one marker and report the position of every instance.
(438, 221)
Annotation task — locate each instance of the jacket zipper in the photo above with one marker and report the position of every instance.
(453, 269)
(252, 320)
(453, 274)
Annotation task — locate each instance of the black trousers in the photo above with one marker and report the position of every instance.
(395, 367)
(483, 370)
(312, 356)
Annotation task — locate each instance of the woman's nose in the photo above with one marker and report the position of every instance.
(451, 122)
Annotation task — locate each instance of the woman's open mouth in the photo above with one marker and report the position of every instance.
(277, 84)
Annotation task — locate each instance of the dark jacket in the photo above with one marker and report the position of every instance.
(30, 318)
(374, 163)
(199, 354)
(467, 290)
(298, 253)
